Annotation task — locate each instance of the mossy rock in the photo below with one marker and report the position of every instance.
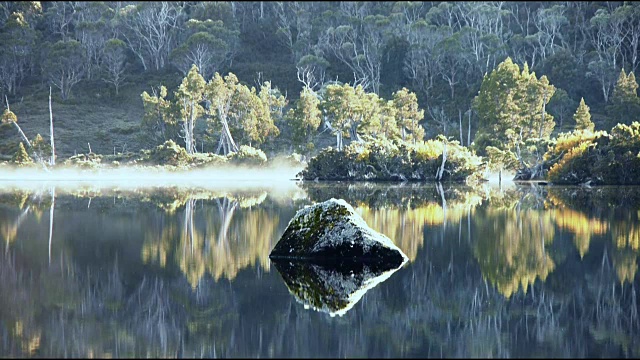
(332, 230)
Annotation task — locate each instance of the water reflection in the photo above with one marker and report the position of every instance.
(511, 272)
(333, 288)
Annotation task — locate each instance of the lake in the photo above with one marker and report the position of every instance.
(494, 271)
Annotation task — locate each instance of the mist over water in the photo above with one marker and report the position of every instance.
(227, 177)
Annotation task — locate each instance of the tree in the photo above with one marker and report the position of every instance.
(421, 62)
(17, 42)
(560, 106)
(219, 93)
(511, 107)
(358, 42)
(39, 147)
(65, 65)
(150, 31)
(408, 115)
(21, 157)
(114, 62)
(91, 29)
(583, 117)
(350, 110)
(209, 47)
(625, 104)
(159, 114)
(188, 97)
(305, 118)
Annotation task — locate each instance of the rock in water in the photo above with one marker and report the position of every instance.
(332, 230)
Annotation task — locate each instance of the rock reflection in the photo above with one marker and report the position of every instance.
(332, 287)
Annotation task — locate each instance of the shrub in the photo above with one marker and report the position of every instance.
(91, 160)
(248, 155)
(384, 160)
(21, 158)
(169, 153)
(600, 158)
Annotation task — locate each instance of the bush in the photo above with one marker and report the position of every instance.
(169, 153)
(248, 155)
(599, 158)
(21, 158)
(384, 160)
(91, 160)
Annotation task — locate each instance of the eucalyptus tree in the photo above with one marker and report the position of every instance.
(60, 16)
(305, 118)
(150, 29)
(408, 115)
(16, 51)
(421, 62)
(511, 107)
(65, 65)
(359, 42)
(114, 62)
(219, 93)
(210, 45)
(351, 111)
(550, 23)
(160, 117)
(189, 95)
(311, 71)
(608, 31)
(91, 29)
(295, 26)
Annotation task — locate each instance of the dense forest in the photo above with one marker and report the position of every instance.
(525, 83)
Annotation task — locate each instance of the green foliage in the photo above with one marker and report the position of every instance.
(625, 104)
(40, 148)
(169, 153)
(408, 115)
(598, 158)
(247, 155)
(385, 160)
(21, 157)
(8, 117)
(88, 161)
(511, 110)
(582, 117)
(305, 118)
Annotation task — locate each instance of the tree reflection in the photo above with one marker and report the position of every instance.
(115, 286)
(218, 236)
(512, 249)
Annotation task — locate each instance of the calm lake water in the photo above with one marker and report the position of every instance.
(517, 271)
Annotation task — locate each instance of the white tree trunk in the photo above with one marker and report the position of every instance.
(52, 161)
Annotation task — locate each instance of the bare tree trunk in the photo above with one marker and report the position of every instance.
(469, 130)
(440, 171)
(52, 161)
(460, 123)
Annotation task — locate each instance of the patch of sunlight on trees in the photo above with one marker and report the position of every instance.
(512, 251)
(238, 235)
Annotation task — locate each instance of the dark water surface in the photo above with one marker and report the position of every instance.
(519, 271)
